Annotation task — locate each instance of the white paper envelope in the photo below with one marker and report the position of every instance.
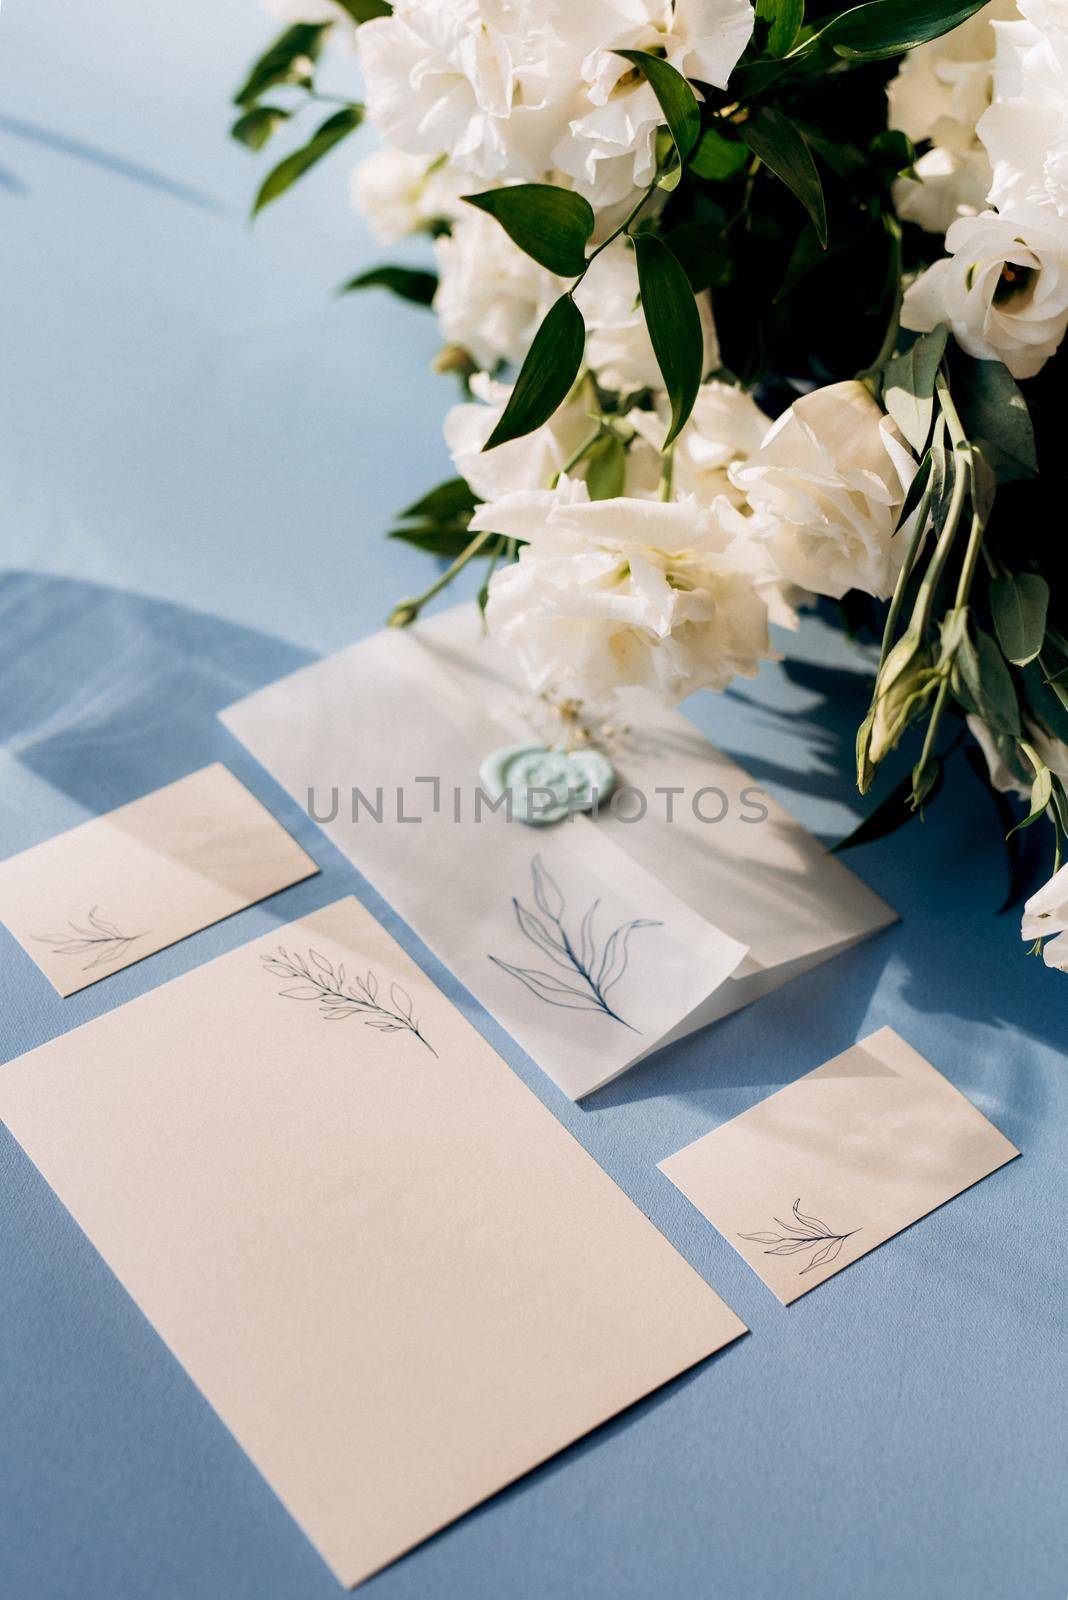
(397, 1279)
(594, 942)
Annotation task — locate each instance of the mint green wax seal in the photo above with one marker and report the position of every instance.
(547, 785)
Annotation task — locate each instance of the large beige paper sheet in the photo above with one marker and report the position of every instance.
(823, 1171)
(113, 890)
(741, 906)
(398, 1280)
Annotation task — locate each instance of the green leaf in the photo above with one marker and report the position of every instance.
(773, 138)
(366, 10)
(546, 375)
(983, 684)
(448, 501)
(717, 158)
(681, 108)
(784, 18)
(550, 225)
(256, 126)
(276, 64)
(1018, 605)
(606, 467)
(888, 27)
(286, 173)
(436, 538)
(1041, 788)
(995, 416)
(1046, 699)
(674, 325)
(909, 386)
(407, 282)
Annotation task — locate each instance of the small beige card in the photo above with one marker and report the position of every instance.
(113, 890)
(398, 1280)
(821, 1172)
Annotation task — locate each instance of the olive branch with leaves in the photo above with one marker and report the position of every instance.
(592, 969)
(338, 998)
(804, 1233)
(100, 940)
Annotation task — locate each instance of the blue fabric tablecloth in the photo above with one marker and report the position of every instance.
(198, 452)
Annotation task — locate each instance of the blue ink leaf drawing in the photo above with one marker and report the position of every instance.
(804, 1233)
(591, 971)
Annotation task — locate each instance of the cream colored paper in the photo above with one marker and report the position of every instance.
(741, 906)
(113, 890)
(398, 1280)
(836, 1163)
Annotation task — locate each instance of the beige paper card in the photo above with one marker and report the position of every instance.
(398, 1280)
(821, 1172)
(113, 890)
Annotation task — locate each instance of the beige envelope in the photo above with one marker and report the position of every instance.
(399, 1281)
(113, 890)
(836, 1163)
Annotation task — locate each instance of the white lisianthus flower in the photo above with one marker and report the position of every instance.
(609, 148)
(726, 427)
(614, 592)
(1003, 290)
(533, 462)
(491, 296)
(941, 90)
(1045, 915)
(400, 194)
(826, 487)
(618, 347)
(1025, 131)
(489, 81)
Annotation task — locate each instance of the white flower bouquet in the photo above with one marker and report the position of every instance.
(741, 301)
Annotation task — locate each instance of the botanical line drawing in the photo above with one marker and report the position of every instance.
(803, 1234)
(101, 941)
(338, 998)
(592, 971)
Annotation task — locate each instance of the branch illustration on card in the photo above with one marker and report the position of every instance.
(803, 1233)
(338, 998)
(100, 940)
(593, 969)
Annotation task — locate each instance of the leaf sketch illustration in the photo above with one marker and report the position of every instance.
(591, 969)
(804, 1233)
(100, 940)
(338, 998)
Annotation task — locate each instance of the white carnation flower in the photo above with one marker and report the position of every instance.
(491, 296)
(1025, 131)
(489, 81)
(400, 194)
(826, 487)
(1046, 914)
(618, 348)
(726, 427)
(614, 592)
(609, 148)
(533, 462)
(1003, 290)
(941, 90)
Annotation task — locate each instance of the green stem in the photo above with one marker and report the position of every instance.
(407, 610)
(667, 471)
(576, 455)
(886, 349)
(614, 235)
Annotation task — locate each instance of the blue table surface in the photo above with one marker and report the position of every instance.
(199, 450)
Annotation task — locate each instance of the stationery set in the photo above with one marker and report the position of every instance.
(398, 1280)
